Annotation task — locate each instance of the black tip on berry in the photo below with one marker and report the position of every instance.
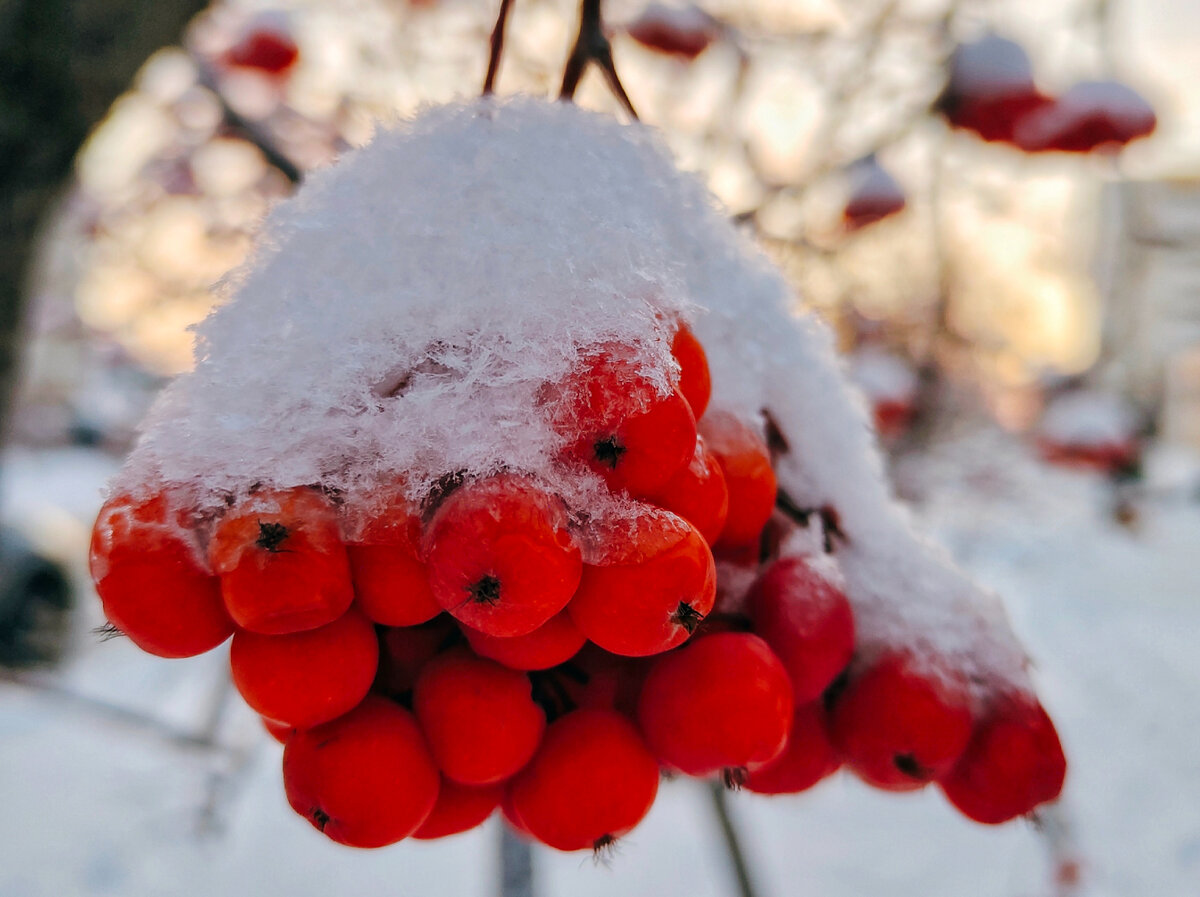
(485, 591)
(687, 616)
(320, 818)
(609, 451)
(107, 632)
(908, 765)
(271, 536)
(603, 848)
(734, 777)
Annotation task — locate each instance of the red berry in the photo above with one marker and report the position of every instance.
(403, 653)
(366, 779)
(268, 51)
(281, 732)
(282, 564)
(152, 580)
(1013, 762)
(900, 726)
(500, 557)
(391, 584)
(808, 758)
(697, 493)
(649, 589)
(602, 681)
(459, 808)
(721, 703)
(591, 781)
(621, 427)
(306, 678)
(746, 463)
(554, 642)
(695, 381)
(807, 621)
(480, 717)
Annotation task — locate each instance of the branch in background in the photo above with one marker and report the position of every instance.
(592, 46)
(497, 47)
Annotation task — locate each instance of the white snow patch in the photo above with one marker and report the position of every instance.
(882, 375)
(1088, 418)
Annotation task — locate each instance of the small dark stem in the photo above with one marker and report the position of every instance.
(737, 858)
(497, 47)
(516, 865)
(592, 46)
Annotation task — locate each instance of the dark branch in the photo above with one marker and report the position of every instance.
(497, 47)
(592, 46)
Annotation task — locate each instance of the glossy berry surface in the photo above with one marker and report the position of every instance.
(749, 478)
(555, 641)
(698, 494)
(808, 757)
(695, 381)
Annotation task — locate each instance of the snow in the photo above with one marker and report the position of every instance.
(990, 68)
(882, 376)
(1088, 418)
(1115, 110)
(405, 311)
(95, 807)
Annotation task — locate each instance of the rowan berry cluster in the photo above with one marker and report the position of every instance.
(427, 661)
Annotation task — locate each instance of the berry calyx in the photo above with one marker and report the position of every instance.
(1013, 763)
(282, 563)
(152, 579)
(618, 424)
(721, 702)
(591, 781)
(898, 724)
(648, 587)
(480, 717)
(365, 779)
(500, 557)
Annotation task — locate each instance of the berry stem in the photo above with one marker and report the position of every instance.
(497, 47)
(733, 845)
(516, 865)
(591, 45)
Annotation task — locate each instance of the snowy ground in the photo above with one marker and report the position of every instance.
(97, 803)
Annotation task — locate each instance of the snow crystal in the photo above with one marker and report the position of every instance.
(990, 68)
(404, 310)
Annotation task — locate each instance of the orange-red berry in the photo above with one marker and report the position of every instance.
(746, 463)
(698, 494)
(695, 382)
(554, 642)
(459, 808)
(808, 757)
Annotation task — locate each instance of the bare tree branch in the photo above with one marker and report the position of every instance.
(497, 47)
(592, 46)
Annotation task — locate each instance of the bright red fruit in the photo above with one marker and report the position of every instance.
(746, 463)
(697, 493)
(1013, 762)
(695, 382)
(152, 580)
(403, 653)
(807, 621)
(459, 808)
(366, 779)
(591, 781)
(898, 725)
(619, 425)
(500, 557)
(306, 678)
(480, 717)
(650, 587)
(721, 703)
(554, 642)
(272, 52)
(808, 758)
(282, 564)
(391, 584)
(281, 732)
(682, 32)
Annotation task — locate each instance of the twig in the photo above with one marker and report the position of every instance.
(733, 846)
(592, 46)
(516, 865)
(497, 47)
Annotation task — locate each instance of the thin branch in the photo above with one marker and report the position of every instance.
(516, 865)
(592, 46)
(497, 47)
(737, 858)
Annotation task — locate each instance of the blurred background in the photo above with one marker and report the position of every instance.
(994, 203)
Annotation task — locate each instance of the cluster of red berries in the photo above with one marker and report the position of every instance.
(492, 647)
